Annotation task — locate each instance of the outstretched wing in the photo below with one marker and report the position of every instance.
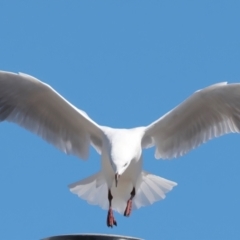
(37, 107)
(208, 113)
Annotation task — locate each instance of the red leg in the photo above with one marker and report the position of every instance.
(128, 209)
(110, 218)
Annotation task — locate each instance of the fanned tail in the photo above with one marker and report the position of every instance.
(92, 189)
(151, 188)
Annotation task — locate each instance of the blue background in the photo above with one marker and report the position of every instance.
(125, 63)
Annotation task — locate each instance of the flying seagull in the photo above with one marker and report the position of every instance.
(121, 184)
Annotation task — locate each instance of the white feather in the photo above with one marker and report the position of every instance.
(208, 113)
(37, 107)
(151, 188)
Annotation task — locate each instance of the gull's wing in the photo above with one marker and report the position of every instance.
(37, 107)
(208, 113)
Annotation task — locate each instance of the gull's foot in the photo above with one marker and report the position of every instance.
(110, 219)
(128, 209)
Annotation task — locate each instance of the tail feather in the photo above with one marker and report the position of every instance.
(92, 189)
(149, 189)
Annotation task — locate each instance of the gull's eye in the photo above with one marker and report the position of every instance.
(125, 164)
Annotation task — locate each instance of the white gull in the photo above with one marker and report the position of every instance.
(121, 184)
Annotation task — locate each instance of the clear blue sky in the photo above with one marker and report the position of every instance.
(125, 63)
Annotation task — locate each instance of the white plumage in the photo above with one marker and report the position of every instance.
(34, 105)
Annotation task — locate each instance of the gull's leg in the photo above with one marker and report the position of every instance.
(110, 218)
(128, 209)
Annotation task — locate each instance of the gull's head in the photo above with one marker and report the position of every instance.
(121, 159)
(124, 146)
(121, 156)
(119, 169)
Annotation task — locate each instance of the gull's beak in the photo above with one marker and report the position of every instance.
(116, 178)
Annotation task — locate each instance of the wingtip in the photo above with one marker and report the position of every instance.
(213, 86)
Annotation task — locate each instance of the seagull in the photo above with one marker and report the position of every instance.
(121, 185)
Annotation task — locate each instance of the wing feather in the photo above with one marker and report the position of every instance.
(208, 113)
(37, 107)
